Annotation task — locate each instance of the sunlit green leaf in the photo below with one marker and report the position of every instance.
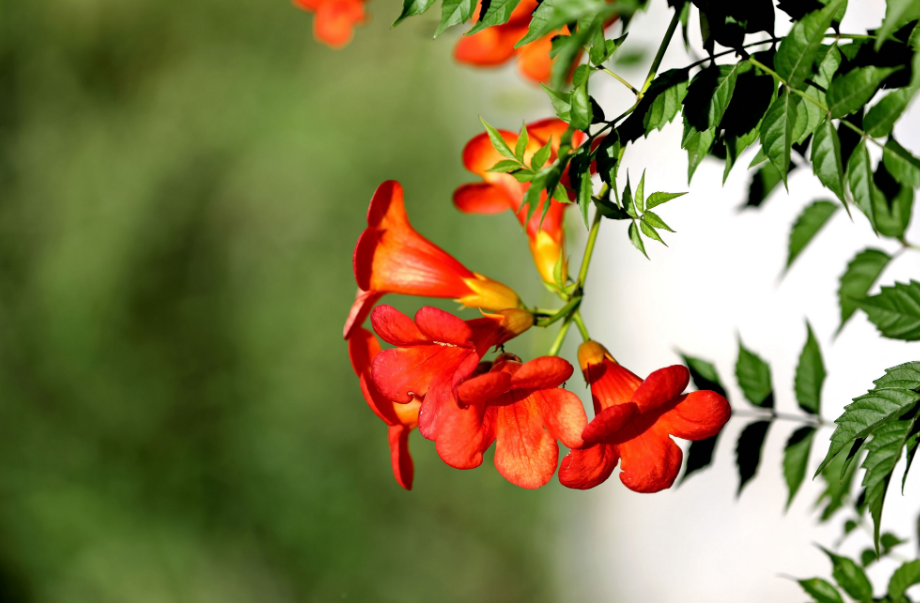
(810, 221)
(901, 163)
(753, 376)
(895, 311)
(776, 132)
(849, 92)
(862, 185)
(499, 12)
(498, 140)
(412, 8)
(636, 239)
(850, 577)
(656, 199)
(880, 119)
(897, 13)
(903, 578)
(826, 159)
(810, 375)
(821, 591)
(454, 12)
(861, 274)
(795, 58)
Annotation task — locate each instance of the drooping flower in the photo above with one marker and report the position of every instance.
(526, 412)
(391, 257)
(433, 356)
(495, 45)
(634, 421)
(500, 192)
(334, 20)
(401, 419)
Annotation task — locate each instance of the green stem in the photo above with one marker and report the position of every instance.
(561, 313)
(662, 48)
(589, 248)
(619, 79)
(770, 415)
(560, 338)
(581, 325)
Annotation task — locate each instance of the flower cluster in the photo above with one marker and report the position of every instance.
(436, 376)
(334, 20)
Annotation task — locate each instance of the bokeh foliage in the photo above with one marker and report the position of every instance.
(181, 186)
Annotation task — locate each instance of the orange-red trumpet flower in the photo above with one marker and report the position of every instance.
(500, 192)
(634, 421)
(334, 20)
(433, 356)
(526, 412)
(391, 257)
(401, 419)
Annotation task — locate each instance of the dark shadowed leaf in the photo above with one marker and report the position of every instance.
(894, 204)
(748, 451)
(810, 221)
(861, 274)
(795, 459)
(839, 482)
(901, 163)
(763, 183)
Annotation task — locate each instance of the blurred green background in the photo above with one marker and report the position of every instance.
(181, 186)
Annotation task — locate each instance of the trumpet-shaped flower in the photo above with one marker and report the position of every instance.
(525, 413)
(391, 257)
(433, 356)
(634, 421)
(401, 419)
(495, 45)
(500, 192)
(334, 20)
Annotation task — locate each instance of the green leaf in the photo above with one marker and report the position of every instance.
(636, 239)
(901, 163)
(839, 480)
(650, 232)
(810, 375)
(735, 144)
(541, 156)
(698, 147)
(582, 114)
(656, 199)
(608, 157)
(893, 205)
(454, 12)
(849, 92)
(883, 453)
(553, 14)
(827, 160)
(652, 219)
(764, 182)
(521, 146)
(795, 58)
(601, 49)
(897, 14)
(629, 203)
(795, 459)
(412, 8)
(505, 166)
(850, 577)
(659, 106)
(895, 311)
(880, 119)
(829, 59)
(753, 376)
(810, 221)
(748, 451)
(903, 578)
(889, 541)
(776, 132)
(640, 193)
(862, 272)
(585, 193)
(906, 376)
(821, 591)
(581, 75)
(499, 12)
(498, 140)
(562, 103)
(859, 175)
(866, 414)
(705, 377)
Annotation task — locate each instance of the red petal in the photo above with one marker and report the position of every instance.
(460, 435)
(562, 414)
(588, 467)
(362, 347)
(387, 207)
(609, 421)
(479, 155)
(400, 373)
(525, 454)
(534, 61)
(396, 328)
(482, 198)
(364, 301)
(335, 21)
(698, 415)
(457, 364)
(487, 48)
(543, 373)
(483, 388)
(403, 469)
(611, 384)
(443, 327)
(661, 387)
(541, 131)
(650, 462)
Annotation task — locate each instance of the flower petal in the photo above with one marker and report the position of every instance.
(479, 155)
(650, 462)
(534, 61)
(543, 373)
(482, 198)
(698, 415)
(364, 301)
(609, 421)
(661, 387)
(362, 348)
(490, 47)
(460, 435)
(442, 327)
(396, 328)
(403, 468)
(562, 414)
(611, 384)
(457, 364)
(483, 388)
(588, 467)
(403, 373)
(525, 454)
